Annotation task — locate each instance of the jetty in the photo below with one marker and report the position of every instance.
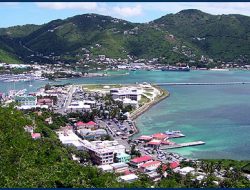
(201, 83)
(195, 143)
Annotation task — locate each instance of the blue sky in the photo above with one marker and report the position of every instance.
(38, 13)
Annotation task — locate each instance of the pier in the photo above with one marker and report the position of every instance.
(195, 143)
(201, 83)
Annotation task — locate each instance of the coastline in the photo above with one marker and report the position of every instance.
(138, 112)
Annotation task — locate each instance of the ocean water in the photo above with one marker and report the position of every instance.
(218, 115)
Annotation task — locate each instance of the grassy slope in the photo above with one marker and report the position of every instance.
(6, 57)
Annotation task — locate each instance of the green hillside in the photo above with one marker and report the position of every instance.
(223, 37)
(176, 37)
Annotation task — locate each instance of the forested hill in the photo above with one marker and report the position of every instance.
(43, 162)
(220, 36)
(177, 37)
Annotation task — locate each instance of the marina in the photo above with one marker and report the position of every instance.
(20, 77)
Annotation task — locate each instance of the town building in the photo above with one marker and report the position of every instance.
(150, 166)
(26, 102)
(131, 93)
(137, 162)
(103, 152)
(106, 168)
(123, 157)
(128, 178)
(119, 167)
(92, 134)
(69, 138)
(155, 143)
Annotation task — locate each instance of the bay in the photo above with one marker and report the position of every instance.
(218, 115)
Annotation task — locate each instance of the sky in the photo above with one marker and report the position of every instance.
(21, 13)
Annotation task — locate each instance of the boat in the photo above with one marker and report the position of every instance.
(173, 68)
(215, 69)
(174, 134)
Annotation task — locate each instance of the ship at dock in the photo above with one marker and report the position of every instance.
(174, 134)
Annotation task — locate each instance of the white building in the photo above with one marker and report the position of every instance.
(26, 102)
(103, 152)
(131, 93)
(68, 137)
(128, 178)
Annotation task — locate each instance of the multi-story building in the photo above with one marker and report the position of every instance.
(103, 152)
(26, 102)
(125, 92)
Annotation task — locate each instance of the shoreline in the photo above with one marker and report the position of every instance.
(138, 112)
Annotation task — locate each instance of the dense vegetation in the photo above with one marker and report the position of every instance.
(221, 37)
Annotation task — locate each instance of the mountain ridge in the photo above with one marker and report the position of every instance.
(219, 37)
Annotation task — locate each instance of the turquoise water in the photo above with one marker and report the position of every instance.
(218, 115)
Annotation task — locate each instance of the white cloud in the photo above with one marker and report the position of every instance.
(147, 10)
(209, 7)
(128, 11)
(68, 5)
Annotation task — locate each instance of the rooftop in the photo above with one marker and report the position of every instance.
(150, 164)
(141, 159)
(159, 136)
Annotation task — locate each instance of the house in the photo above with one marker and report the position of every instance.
(80, 124)
(35, 135)
(186, 170)
(29, 129)
(91, 124)
(128, 178)
(154, 176)
(150, 166)
(49, 120)
(123, 157)
(174, 165)
(137, 162)
(120, 167)
(106, 168)
(45, 101)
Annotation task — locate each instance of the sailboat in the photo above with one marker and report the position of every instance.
(30, 85)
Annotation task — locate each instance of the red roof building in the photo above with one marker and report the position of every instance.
(137, 162)
(151, 164)
(36, 135)
(145, 138)
(91, 123)
(174, 165)
(154, 143)
(80, 123)
(160, 136)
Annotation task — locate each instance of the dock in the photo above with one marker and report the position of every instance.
(195, 143)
